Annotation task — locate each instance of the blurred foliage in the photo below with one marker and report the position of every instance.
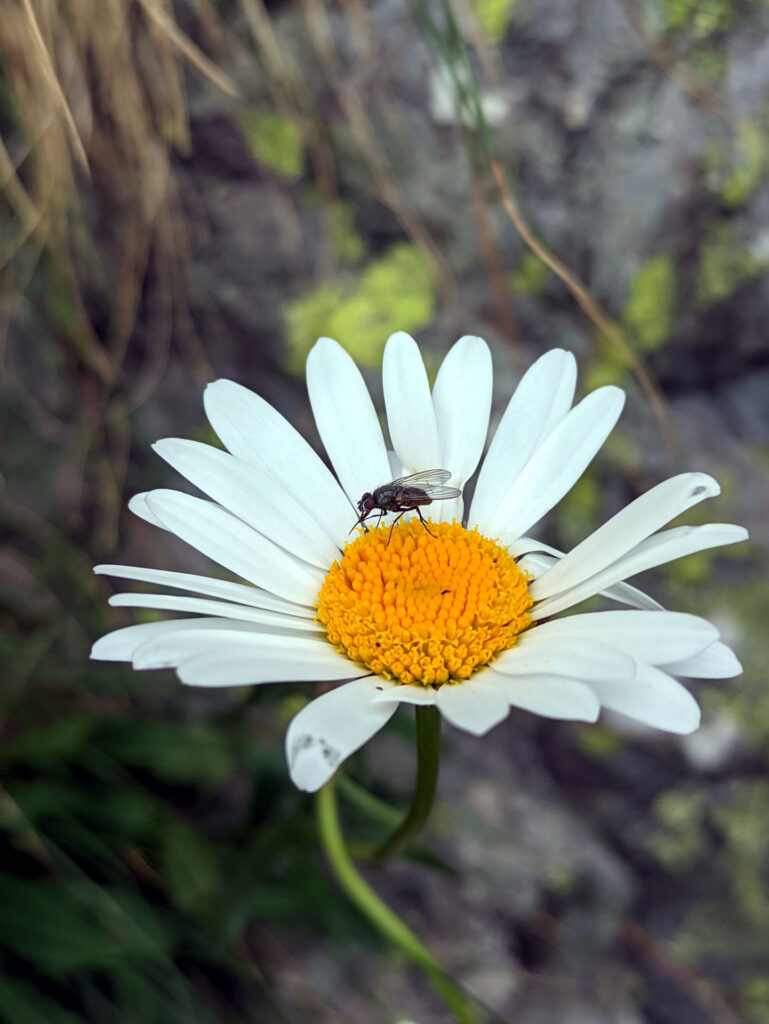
(698, 18)
(494, 17)
(154, 855)
(276, 141)
(724, 265)
(531, 276)
(650, 310)
(395, 292)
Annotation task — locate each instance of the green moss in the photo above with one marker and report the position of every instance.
(610, 366)
(395, 292)
(755, 996)
(751, 165)
(681, 838)
(650, 308)
(698, 18)
(710, 65)
(531, 276)
(348, 242)
(724, 265)
(494, 16)
(744, 825)
(599, 744)
(275, 142)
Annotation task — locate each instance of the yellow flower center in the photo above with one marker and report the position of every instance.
(421, 608)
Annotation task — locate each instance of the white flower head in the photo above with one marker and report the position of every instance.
(457, 612)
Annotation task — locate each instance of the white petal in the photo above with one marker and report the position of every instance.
(474, 705)
(550, 696)
(662, 547)
(262, 655)
(396, 466)
(240, 593)
(120, 644)
(256, 433)
(138, 505)
(462, 403)
(634, 523)
(200, 606)
(256, 498)
(537, 562)
(653, 698)
(226, 540)
(556, 465)
(346, 419)
(406, 693)
(656, 637)
(331, 727)
(541, 400)
(530, 545)
(716, 662)
(410, 413)
(233, 668)
(623, 593)
(571, 657)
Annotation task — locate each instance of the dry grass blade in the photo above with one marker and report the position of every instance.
(49, 74)
(188, 49)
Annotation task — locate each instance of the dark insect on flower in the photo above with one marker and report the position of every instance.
(406, 494)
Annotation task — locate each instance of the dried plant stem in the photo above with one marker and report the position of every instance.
(48, 72)
(188, 49)
(589, 306)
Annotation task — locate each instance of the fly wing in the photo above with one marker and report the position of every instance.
(423, 478)
(438, 491)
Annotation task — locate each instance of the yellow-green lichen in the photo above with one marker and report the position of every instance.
(710, 64)
(611, 365)
(743, 822)
(395, 292)
(650, 308)
(752, 163)
(347, 240)
(530, 277)
(699, 19)
(494, 17)
(275, 142)
(598, 743)
(747, 697)
(755, 996)
(681, 836)
(724, 265)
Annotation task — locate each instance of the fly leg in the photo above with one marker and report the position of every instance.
(422, 520)
(399, 516)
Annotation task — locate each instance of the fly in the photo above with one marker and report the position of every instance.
(406, 494)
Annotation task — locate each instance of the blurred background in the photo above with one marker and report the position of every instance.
(199, 189)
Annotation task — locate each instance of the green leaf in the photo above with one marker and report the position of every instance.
(63, 927)
(189, 865)
(172, 752)
(57, 742)
(23, 1004)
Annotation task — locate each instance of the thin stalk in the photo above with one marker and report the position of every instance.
(378, 913)
(428, 726)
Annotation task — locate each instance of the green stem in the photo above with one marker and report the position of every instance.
(378, 913)
(428, 723)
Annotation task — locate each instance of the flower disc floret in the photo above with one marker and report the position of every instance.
(425, 608)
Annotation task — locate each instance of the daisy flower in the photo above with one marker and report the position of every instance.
(463, 612)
